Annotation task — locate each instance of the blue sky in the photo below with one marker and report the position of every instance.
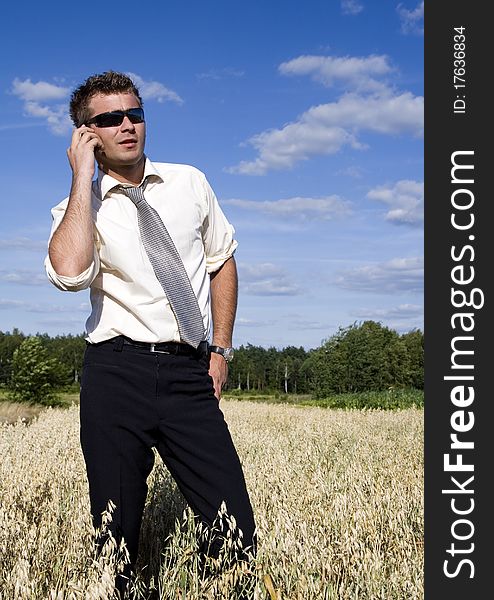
(307, 119)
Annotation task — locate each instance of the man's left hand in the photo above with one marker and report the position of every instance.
(218, 370)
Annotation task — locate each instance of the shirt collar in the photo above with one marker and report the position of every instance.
(106, 183)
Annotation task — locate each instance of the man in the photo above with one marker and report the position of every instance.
(149, 378)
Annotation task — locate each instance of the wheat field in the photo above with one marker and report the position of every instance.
(337, 495)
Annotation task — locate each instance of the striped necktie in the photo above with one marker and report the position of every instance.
(168, 267)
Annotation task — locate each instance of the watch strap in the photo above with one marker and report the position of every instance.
(225, 352)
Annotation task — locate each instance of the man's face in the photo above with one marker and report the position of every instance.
(123, 145)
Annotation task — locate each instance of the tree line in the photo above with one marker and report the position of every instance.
(364, 356)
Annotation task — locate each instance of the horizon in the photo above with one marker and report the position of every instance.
(17, 331)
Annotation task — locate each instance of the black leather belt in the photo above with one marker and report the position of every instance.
(162, 347)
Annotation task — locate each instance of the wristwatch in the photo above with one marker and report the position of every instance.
(226, 353)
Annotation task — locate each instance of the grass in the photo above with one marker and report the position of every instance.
(337, 496)
(11, 412)
(387, 399)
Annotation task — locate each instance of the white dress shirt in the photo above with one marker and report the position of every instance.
(126, 297)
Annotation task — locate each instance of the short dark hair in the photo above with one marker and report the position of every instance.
(109, 82)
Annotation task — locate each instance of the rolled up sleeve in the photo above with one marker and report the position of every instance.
(218, 233)
(63, 282)
(76, 283)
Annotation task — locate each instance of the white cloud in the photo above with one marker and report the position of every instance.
(47, 308)
(412, 21)
(400, 312)
(298, 323)
(351, 7)
(38, 92)
(217, 74)
(402, 318)
(243, 322)
(23, 277)
(369, 105)
(266, 279)
(389, 115)
(68, 324)
(395, 276)
(50, 308)
(298, 208)
(36, 96)
(327, 128)
(352, 171)
(57, 117)
(22, 243)
(154, 90)
(405, 199)
(8, 304)
(280, 149)
(355, 73)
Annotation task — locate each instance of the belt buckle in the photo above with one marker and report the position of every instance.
(152, 348)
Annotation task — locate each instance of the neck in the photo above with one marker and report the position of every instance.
(126, 173)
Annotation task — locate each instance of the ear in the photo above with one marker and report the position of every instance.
(99, 153)
(101, 165)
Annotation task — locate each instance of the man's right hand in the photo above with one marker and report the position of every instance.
(71, 248)
(81, 152)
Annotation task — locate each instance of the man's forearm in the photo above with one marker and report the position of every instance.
(71, 247)
(224, 293)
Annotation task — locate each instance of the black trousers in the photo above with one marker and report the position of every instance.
(133, 400)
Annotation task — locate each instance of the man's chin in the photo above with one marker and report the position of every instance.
(124, 161)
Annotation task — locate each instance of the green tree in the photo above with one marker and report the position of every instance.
(327, 368)
(362, 357)
(243, 371)
(9, 342)
(34, 375)
(414, 343)
(69, 351)
(268, 370)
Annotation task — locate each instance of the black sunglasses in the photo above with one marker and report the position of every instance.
(116, 117)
